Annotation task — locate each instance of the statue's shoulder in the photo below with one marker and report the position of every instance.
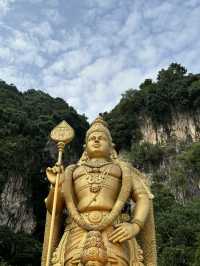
(140, 182)
(115, 170)
(136, 174)
(79, 170)
(70, 169)
(123, 164)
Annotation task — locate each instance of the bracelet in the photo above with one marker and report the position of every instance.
(52, 187)
(138, 222)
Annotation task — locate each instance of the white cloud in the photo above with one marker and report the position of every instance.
(4, 53)
(19, 41)
(191, 3)
(54, 16)
(131, 25)
(52, 46)
(69, 62)
(22, 49)
(71, 39)
(99, 45)
(101, 3)
(22, 80)
(128, 78)
(41, 30)
(107, 46)
(5, 6)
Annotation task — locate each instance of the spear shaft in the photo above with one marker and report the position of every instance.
(59, 163)
(62, 134)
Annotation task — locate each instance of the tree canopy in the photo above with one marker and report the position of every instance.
(26, 150)
(27, 118)
(173, 91)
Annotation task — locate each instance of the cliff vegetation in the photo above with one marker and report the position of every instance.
(26, 150)
(156, 127)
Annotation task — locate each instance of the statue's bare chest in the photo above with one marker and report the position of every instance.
(103, 183)
(96, 175)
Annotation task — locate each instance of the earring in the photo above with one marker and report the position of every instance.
(84, 157)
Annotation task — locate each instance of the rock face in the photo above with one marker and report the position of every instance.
(182, 127)
(15, 212)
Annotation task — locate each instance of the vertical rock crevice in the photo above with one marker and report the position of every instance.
(16, 211)
(182, 127)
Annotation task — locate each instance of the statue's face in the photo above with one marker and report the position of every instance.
(98, 145)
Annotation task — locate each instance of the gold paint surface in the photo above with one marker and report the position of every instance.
(63, 132)
(94, 192)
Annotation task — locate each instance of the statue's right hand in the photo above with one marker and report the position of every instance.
(52, 173)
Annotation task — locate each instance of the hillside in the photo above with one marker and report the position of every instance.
(159, 127)
(156, 127)
(159, 111)
(26, 150)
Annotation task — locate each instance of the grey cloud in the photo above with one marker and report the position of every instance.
(107, 47)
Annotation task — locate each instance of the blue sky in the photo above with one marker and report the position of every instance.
(89, 52)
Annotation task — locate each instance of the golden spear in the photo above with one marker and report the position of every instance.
(62, 134)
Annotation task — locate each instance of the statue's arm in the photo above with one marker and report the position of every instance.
(50, 198)
(141, 197)
(64, 175)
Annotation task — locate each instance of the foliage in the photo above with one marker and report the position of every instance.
(146, 155)
(173, 91)
(3, 263)
(173, 169)
(177, 228)
(176, 165)
(18, 249)
(123, 126)
(197, 254)
(191, 157)
(184, 174)
(26, 121)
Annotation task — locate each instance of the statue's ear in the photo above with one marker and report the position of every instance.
(113, 154)
(84, 158)
(84, 146)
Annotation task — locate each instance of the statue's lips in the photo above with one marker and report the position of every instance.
(96, 146)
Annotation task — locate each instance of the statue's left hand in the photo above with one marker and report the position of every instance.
(124, 231)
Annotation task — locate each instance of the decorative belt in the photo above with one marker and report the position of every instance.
(95, 217)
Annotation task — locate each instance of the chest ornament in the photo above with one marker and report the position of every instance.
(96, 178)
(112, 215)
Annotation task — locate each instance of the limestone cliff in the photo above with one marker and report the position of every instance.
(182, 127)
(26, 120)
(16, 211)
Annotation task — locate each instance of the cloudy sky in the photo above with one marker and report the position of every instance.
(90, 51)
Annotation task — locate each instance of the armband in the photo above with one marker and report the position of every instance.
(138, 222)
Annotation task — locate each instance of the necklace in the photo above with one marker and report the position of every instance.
(97, 163)
(108, 219)
(96, 178)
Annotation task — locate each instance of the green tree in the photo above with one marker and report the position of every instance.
(177, 228)
(197, 253)
(26, 121)
(146, 156)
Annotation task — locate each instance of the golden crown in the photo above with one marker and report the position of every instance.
(99, 125)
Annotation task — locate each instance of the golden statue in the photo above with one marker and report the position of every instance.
(94, 192)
